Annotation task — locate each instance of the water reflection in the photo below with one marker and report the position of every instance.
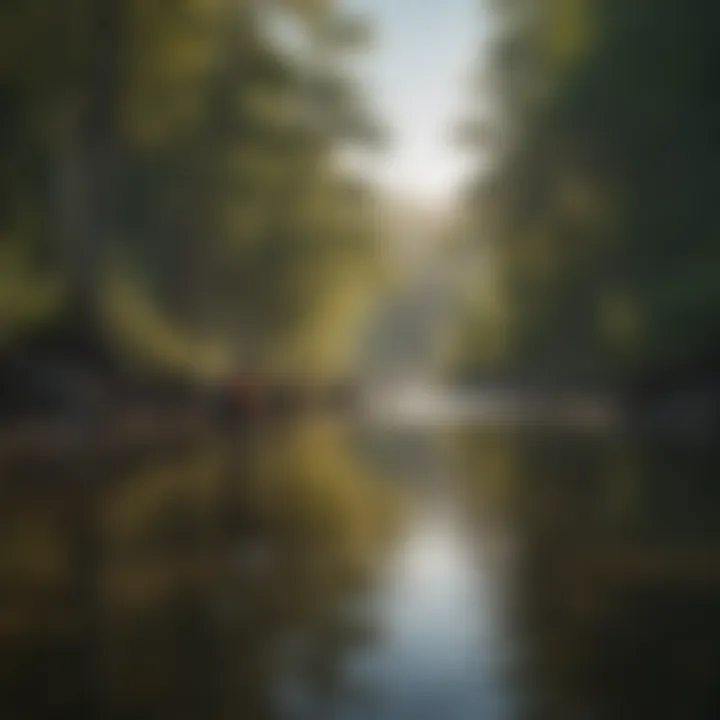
(616, 572)
(440, 653)
(310, 572)
(177, 586)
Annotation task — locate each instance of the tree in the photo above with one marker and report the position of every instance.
(601, 190)
(172, 168)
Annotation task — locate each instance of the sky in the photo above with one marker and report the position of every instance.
(417, 78)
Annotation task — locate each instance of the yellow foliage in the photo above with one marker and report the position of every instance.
(153, 339)
(26, 297)
(570, 30)
(619, 320)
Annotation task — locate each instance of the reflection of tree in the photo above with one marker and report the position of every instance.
(220, 574)
(48, 594)
(618, 575)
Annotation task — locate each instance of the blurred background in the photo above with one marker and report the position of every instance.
(359, 359)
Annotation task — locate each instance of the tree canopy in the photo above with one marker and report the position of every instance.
(170, 175)
(598, 214)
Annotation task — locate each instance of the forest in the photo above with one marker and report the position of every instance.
(178, 197)
(322, 398)
(173, 197)
(596, 210)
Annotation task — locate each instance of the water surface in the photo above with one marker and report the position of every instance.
(325, 571)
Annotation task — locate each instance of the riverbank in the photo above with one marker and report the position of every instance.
(133, 431)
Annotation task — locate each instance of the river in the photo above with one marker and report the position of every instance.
(360, 571)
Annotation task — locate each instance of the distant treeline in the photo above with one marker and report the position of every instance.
(598, 221)
(170, 185)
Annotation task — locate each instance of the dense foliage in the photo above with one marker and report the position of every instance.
(598, 218)
(170, 180)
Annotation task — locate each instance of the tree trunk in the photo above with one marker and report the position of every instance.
(95, 220)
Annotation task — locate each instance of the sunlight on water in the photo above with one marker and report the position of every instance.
(441, 642)
(426, 405)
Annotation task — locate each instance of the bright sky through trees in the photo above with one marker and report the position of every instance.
(419, 81)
